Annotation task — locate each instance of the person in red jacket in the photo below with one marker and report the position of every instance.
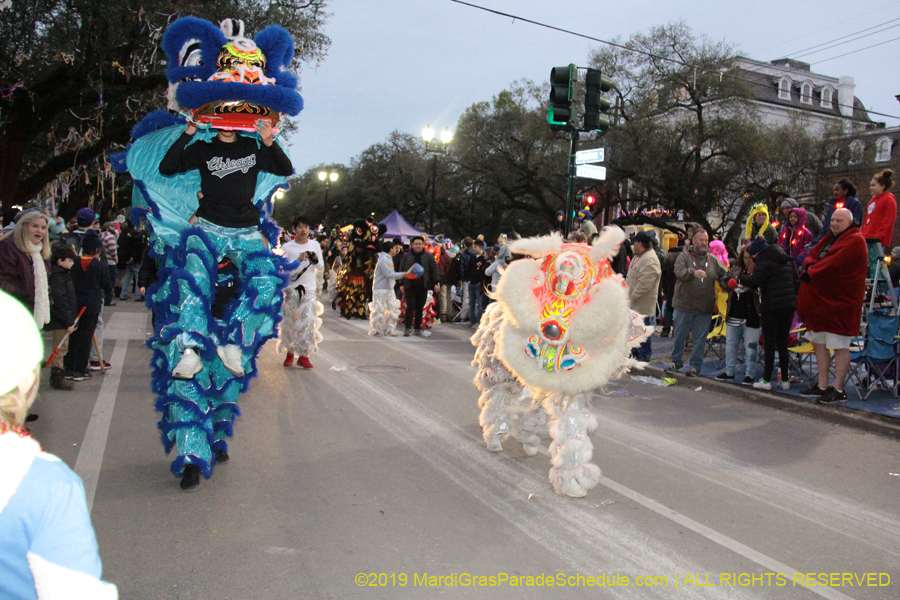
(882, 210)
(830, 301)
(794, 235)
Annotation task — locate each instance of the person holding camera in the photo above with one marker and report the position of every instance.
(302, 310)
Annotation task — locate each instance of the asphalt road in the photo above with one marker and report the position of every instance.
(378, 468)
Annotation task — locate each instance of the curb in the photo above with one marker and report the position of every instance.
(863, 421)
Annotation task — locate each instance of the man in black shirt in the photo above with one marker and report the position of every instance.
(416, 290)
(229, 165)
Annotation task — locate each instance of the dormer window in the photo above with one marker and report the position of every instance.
(856, 152)
(784, 88)
(827, 94)
(883, 150)
(806, 92)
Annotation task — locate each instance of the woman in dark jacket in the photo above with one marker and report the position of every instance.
(774, 275)
(742, 322)
(63, 310)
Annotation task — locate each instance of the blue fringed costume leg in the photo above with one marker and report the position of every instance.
(198, 414)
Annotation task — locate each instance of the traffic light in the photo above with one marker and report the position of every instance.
(589, 202)
(562, 92)
(594, 100)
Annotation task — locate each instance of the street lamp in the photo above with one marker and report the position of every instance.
(327, 180)
(437, 148)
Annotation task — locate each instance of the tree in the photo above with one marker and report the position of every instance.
(76, 75)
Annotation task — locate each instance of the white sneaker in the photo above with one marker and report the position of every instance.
(189, 365)
(231, 356)
(762, 385)
(426, 333)
(785, 385)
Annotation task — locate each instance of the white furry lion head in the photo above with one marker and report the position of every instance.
(569, 326)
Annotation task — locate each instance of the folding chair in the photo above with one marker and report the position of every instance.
(879, 290)
(715, 340)
(878, 356)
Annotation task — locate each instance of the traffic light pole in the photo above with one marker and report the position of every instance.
(570, 198)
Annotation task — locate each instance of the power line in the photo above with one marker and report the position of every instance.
(842, 23)
(833, 45)
(855, 51)
(656, 56)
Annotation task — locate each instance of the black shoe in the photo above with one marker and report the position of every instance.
(723, 376)
(747, 380)
(832, 396)
(75, 376)
(222, 456)
(814, 391)
(109, 304)
(190, 481)
(664, 333)
(406, 332)
(85, 375)
(30, 418)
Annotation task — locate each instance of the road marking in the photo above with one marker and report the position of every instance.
(723, 540)
(407, 420)
(93, 446)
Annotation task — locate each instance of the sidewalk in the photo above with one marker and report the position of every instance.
(880, 412)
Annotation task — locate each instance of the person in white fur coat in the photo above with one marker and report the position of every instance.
(47, 542)
(384, 309)
(302, 311)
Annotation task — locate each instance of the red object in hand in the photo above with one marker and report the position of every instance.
(732, 283)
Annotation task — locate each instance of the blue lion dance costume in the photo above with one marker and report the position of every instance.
(219, 289)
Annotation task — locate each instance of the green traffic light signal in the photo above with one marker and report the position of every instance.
(562, 92)
(595, 102)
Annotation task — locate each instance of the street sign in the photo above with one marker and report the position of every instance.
(590, 172)
(584, 157)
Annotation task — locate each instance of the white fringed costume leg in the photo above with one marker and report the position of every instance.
(302, 319)
(571, 421)
(505, 403)
(384, 310)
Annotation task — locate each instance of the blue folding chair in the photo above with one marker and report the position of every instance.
(878, 356)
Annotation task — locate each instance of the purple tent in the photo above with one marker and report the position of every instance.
(398, 226)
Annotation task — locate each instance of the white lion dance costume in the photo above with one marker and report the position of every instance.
(384, 310)
(302, 319)
(219, 286)
(563, 328)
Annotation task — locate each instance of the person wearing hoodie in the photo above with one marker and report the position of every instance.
(587, 224)
(742, 321)
(794, 235)
(844, 197)
(881, 213)
(559, 221)
(812, 221)
(758, 224)
(773, 276)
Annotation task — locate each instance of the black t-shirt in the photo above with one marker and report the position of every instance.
(228, 173)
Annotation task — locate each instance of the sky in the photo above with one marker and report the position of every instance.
(405, 64)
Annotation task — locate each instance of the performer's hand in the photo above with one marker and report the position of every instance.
(264, 128)
(71, 329)
(143, 291)
(191, 128)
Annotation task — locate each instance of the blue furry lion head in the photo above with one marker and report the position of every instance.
(220, 76)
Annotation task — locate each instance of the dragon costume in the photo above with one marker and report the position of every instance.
(354, 282)
(218, 286)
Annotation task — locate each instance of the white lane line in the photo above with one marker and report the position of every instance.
(586, 540)
(723, 540)
(406, 412)
(90, 457)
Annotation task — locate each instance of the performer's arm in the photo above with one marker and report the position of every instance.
(272, 158)
(179, 158)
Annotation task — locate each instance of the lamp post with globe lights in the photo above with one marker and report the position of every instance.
(435, 149)
(327, 180)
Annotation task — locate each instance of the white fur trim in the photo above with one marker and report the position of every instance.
(537, 246)
(54, 582)
(606, 246)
